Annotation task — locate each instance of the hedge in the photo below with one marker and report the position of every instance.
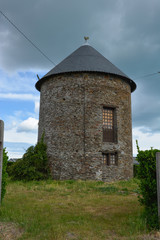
(148, 185)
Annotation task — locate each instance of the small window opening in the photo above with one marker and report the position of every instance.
(110, 159)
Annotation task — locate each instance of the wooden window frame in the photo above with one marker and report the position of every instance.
(109, 133)
(107, 159)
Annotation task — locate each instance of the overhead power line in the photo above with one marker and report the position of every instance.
(148, 75)
(38, 49)
(24, 35)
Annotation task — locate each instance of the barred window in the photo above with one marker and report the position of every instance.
(108, 118)
(109, 128)
(110, 159)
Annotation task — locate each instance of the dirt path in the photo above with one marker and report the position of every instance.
(9, 231)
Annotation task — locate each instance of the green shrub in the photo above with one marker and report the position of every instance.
(135, 170)
(9, 165)
(148, 185)
(4, 173)
(33, 165)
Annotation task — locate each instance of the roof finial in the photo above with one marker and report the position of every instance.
(86, 40)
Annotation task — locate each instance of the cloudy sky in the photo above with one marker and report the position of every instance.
(126, 32)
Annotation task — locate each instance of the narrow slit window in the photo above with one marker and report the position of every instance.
(109, 128)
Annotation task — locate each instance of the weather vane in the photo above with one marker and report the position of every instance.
(86, 40)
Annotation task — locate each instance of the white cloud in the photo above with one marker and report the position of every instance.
(11, 135)
(28, 125)
(36, 107)
(20, 134)
(14, 154)
(15, 96)
(146, 140)
(19, 81)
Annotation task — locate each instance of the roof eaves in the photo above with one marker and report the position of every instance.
(127, 79)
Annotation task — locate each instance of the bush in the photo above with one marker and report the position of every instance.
(33, 165)
(9, 165)
(4, 173)
(135, 170)
(148, 185)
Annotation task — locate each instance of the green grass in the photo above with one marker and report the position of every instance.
(48, 210)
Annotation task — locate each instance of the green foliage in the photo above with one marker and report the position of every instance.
(135, 170)
(148, 185)
(9, 165)
(4, 173)
(33, 165)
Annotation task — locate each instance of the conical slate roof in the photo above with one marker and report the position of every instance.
(86, 59)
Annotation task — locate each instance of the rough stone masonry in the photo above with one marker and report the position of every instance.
(71, 117)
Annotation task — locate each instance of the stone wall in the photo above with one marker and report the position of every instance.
(71, 107)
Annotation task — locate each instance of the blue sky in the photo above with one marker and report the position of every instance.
(19, 108)
(126, 32)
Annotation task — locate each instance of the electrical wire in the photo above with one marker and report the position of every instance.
(24, 35)
(148, 75)
(34, 45)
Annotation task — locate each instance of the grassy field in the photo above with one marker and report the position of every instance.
(60, 210)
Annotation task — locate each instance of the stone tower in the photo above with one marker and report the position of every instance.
(85, 114)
